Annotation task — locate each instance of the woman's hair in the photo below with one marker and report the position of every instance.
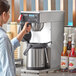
(4, 6)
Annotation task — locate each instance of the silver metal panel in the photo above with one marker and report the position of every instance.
(57, 43)
(30, 12)
(29, 63)
(36, 58)
(50, 16)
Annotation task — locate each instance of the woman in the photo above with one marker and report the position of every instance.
(7, 66)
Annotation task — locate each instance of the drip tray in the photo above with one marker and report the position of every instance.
(46, 71)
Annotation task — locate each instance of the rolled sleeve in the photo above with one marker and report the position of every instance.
(15, 43)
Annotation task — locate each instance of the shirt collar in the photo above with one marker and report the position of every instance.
(2, 29)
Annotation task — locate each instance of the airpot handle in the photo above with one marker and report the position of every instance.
(26, 51)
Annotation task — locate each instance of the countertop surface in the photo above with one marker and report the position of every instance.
(20, 72)
(62, 74)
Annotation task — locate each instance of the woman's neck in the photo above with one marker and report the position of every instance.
(1, 22)
(0, 25)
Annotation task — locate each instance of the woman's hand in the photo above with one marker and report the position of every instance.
(26, 29)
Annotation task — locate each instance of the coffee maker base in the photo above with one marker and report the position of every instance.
(45, 72)
(35, 68)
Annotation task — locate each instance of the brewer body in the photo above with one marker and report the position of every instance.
(52, 30)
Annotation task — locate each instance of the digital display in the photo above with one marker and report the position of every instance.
(31, 15)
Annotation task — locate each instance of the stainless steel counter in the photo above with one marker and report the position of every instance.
(25, 72)
(62, 74)
(18, 71)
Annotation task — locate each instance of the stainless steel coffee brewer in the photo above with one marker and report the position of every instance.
(45, 39)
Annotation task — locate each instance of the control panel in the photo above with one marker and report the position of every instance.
(30, 17)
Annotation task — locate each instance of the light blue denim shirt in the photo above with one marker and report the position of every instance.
(7, 47)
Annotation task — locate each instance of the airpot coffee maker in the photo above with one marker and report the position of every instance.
(45, 39)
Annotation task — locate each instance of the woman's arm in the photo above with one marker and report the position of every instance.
(15, 41)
